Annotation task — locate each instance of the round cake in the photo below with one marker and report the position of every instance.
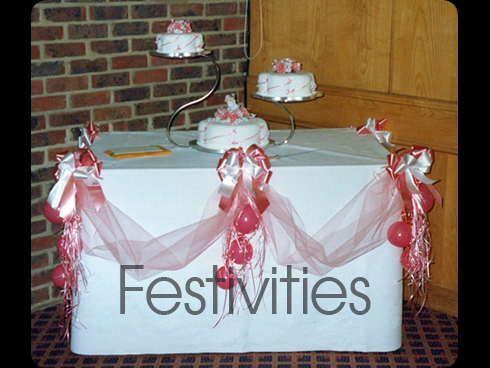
(179, 39)
(286, 79)
(232, 127)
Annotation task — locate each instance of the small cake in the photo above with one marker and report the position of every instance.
(286, 79)
(232, 127)
(179, 39)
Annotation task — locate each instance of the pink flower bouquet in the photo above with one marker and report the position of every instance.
(179, 26)
(230, 115)
(286, 66)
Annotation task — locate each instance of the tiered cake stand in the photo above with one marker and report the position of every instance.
(275, 100)
(279, 100)
(188, 55)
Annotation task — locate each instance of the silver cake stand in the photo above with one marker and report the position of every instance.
(290, 99)
(185, 55)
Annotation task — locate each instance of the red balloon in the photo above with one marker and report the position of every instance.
(247, 221)
(241, 250)
(427, 198)
(413, 266)
(53, 215)
(400, 234)
(225, 277)
(58, 276)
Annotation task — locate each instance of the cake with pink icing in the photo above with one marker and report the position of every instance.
(232, 127)
(286, 79)
(179, 39)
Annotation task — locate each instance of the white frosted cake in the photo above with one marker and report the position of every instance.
(286, 79)
(179, 39)
(232, 127)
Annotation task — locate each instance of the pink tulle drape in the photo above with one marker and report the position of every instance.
(356, 229)
(359, 227)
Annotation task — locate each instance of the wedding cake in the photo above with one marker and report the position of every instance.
(179, 39)
(286, 79)
(232, 127)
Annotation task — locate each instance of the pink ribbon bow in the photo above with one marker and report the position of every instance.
(250, 168)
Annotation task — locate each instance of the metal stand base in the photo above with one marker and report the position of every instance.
(277, 100)
(204, 53)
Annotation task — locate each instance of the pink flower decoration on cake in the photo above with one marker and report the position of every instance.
(281, 68)
(179, 26)
(227, 114)
(285, 66)
(232, 113)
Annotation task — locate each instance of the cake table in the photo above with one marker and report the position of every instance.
(356, 307)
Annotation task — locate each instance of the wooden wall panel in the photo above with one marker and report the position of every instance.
(347, 43)
(444, 222)
(425, 49)
(394, 59)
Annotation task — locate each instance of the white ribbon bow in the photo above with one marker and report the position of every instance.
(84, 139)
(382, 136)
(232, 170)
(230, 173)
(64, 187)
(417, 168)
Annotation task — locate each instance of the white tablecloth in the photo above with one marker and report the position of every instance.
(319, 171)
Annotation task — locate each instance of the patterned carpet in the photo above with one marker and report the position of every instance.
(429, 340)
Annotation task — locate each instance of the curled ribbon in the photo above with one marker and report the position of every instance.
(72, 169)
(376, 129)
(251, 167)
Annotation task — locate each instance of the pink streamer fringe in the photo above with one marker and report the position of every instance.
(418, 258)
(72, 270)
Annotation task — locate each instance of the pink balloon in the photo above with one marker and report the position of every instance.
(413, 266)
(400, 234)
(225, 276)
(58, 276)
(53, 215)
(427, 198)
(247, 221)
(241, 250)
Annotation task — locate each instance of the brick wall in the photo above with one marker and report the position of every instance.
(90, 61)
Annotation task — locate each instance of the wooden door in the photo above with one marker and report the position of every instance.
(394, 59)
